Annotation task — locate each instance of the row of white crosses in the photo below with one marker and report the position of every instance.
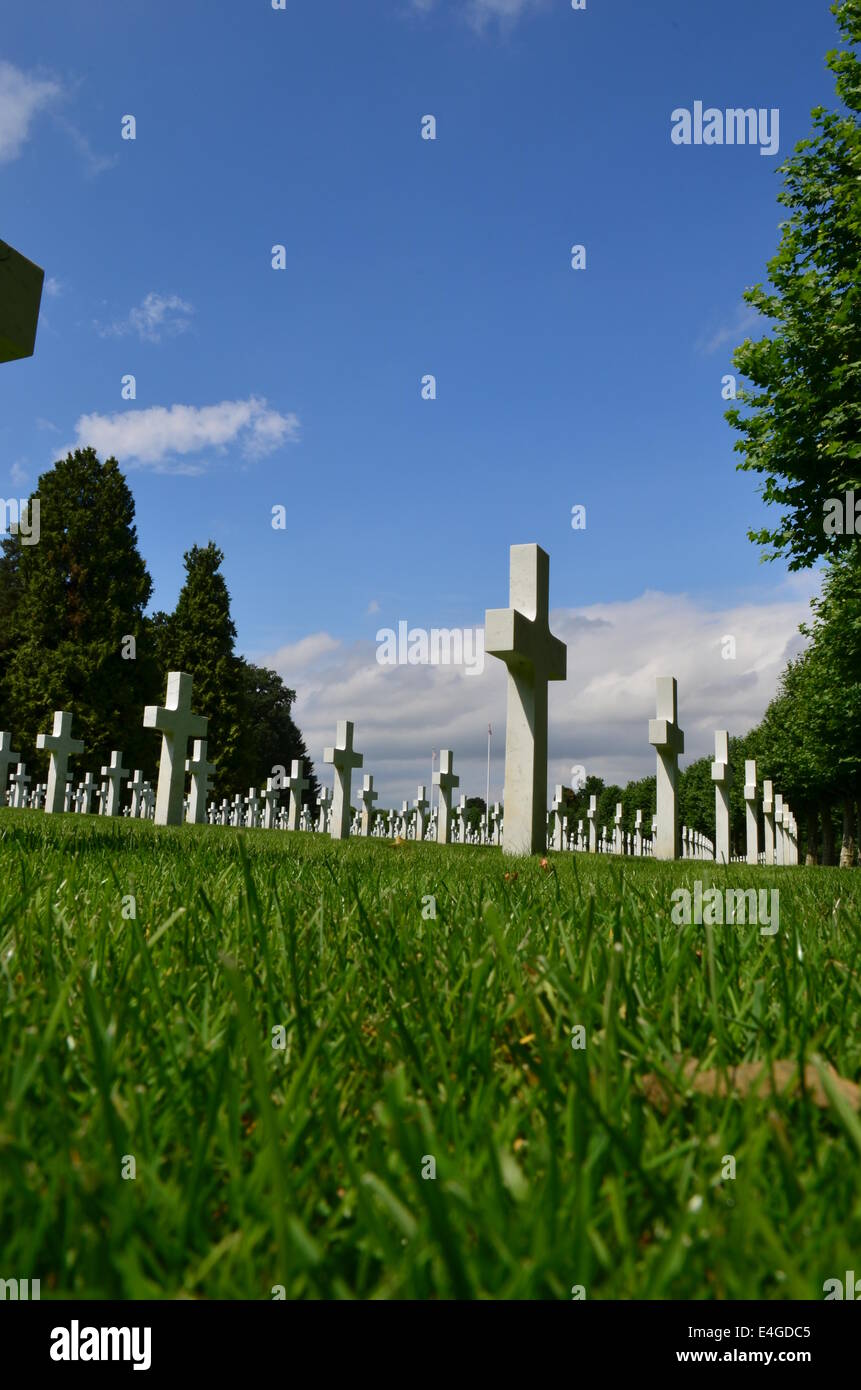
(781, 831)
(59, 793)
(519, 636)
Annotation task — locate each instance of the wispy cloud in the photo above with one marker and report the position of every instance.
(53, 288)
(157, 314)
(734, 330)
(94, 163)
(481, 13)
(171, 440)
(22, 96)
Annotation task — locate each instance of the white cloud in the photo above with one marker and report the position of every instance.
(373, 607)
(598, 717)
(159, 436)
(18, 474)
(22, 96)
(53, 287)
(157, 314)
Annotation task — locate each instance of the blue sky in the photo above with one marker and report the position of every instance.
(555, 387)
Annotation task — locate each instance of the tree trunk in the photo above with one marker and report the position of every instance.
(847, 849)
(811, 857)
(827, 835)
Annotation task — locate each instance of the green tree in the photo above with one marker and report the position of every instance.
(834, 706)
(199, 637)
(697, 797)
(803, 426)
(68, 606)
(272, 738)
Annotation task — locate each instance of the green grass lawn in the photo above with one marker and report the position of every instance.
(409, 1037)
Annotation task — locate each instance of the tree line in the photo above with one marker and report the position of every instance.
(798, 417)
(74, 633)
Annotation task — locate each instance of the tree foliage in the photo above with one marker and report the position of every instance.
(801, 428)
(68, 603)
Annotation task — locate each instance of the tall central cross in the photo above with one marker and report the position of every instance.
(343, 758)
(62, 747)
(668, 741)
(176, 724)
(520, 636)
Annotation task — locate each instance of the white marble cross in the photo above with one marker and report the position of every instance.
(421, 809)
(8, 758)
(86, 789)
(638, 835)
(778, 829)
(343, 759)
(115, 774)
(722, 778)
(367, 796)
(253, 808)
(176, 724)
(325, 803)
(618, 845)
(201, 784)
(462, 822)
(768, 820)
(593, 831)
(751, 818)
(61, 746)
(202, 773)
(669, 742)
(520, 636)
(237, 811)
(136, 786)
(445, 779)
(20, 782)
(270, 799)
(224, 812)
(296, 785)
(560, 800)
